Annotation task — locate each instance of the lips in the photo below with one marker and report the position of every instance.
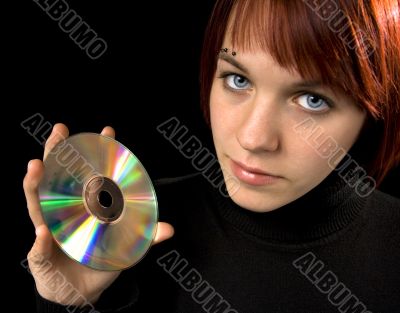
(252, 176)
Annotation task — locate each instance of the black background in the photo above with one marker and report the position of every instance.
(148, 74)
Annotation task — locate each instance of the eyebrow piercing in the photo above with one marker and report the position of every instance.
(225, 50)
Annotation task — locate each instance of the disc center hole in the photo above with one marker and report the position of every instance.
(105, 199)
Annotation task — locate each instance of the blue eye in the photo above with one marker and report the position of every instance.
(237, 82)
(313, 102)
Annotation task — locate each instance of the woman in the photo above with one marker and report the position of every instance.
(303, 101)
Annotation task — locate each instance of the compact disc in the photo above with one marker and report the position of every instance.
(98, 202)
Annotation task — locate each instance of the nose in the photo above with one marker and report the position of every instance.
(259, 128)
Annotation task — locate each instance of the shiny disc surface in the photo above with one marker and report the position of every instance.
(98, 202)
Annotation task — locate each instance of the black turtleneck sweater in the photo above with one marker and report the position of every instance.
(328, 251)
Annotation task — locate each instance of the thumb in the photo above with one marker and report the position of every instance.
(164, 232)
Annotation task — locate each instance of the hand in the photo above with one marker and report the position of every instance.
(52, 269)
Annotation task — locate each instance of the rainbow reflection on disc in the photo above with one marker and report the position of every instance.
(98, 202)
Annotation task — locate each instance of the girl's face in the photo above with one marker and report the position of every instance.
(256, 108)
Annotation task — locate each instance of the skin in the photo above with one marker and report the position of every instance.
(51, 267)
(253, 116)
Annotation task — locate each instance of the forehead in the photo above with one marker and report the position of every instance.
(255, 58)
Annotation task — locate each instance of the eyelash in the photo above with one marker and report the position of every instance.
(224, 75)
(329, 102)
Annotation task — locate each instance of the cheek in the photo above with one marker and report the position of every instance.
(346, 137)
(213, 107)
(310, 154)
(344, 130)
(221, 116)
(305, 163)
(227, 111)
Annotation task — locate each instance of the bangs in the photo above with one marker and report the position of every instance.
(300, 39)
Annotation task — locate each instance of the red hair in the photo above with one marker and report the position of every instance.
(350, 45)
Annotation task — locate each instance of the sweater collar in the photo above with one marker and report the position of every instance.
(323, 211)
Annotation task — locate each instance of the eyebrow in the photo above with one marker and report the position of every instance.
(233, 62)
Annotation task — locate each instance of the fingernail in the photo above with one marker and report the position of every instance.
(29, 164)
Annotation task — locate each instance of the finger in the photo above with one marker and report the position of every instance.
(31, 182)
(108, 131)
(164, 232)
(43, 246)
(60, 132)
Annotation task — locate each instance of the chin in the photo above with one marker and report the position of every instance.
(257, 201)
